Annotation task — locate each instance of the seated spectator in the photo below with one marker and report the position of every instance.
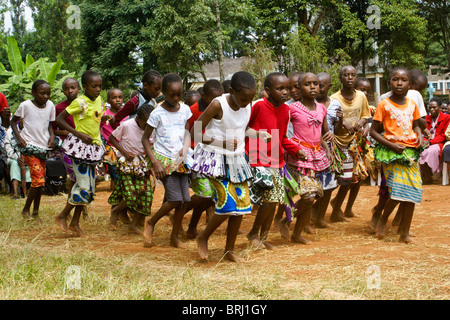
(437, 122)
(15, 163)
(446, 150)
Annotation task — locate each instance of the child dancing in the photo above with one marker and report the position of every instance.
(399, 152)
(84, 147)
(220, 155)
(34, 140)
(272, 183)
(310, 134)
(136, 181)
(169, 122)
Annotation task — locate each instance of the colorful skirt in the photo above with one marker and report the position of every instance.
(231, 198)
(274, 185)
(402, 172)
(82, 152)
(30, 150)
(170, 166)
(136, 191)
(236, 169)
(201, 185)
(309, 184)
(83, 191)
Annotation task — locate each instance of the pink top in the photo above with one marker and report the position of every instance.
(129, 135)
(307, 126)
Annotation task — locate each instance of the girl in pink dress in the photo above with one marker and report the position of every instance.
(310, 133)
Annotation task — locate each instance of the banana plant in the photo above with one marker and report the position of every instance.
(19, 80)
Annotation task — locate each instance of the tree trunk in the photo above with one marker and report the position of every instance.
(219, 40)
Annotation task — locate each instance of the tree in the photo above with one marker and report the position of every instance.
(437, 13)
(18, 22)
(183, 36)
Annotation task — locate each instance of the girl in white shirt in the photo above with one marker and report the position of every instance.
(35, 140)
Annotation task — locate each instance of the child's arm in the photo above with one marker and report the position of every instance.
(338, 124)
(113, 141)
(61, 122)
(21, 143)
(157, 167)
(51, 140)
(214, 110)
(418, 131)
(375, 132)
(186, 145)
(253, 134)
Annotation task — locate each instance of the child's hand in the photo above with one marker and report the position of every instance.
(398, 148)
(264, 135)
(21, 143)
(357, 127)
(365, 131)
(128, 156)
(339, 113)
(329, 136)
(427, 133)
(52, 143)
(231, 144)
(21, 162)
(302, 155)
(348, 127)
(182, 155)
(423, 143)
(85, 138)
(159, 171)
(329, 156)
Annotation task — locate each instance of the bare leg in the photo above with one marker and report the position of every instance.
(336, 203)
(166, 207)
(381, 226)
(234, 223)
(407, 215)
(278, 216)
(202, 240)
(265, 228)
(264, 211)
(61, 219)
(322, 205)
(354, 190)
(75, 223)
(302, 219)
(133, 227)
(15, 187)
(376, 213)
(28, 202)
(180, 210)
(115, 211)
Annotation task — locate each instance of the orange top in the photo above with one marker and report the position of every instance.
(398, 120)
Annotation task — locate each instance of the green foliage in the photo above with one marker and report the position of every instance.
(19, 80)
(260, 63)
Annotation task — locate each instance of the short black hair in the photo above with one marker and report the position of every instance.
(437, 100)
(359, 80)
(87, 76)
(38, 83)
(341, 72)
(191, 93)
(268, 81)
(108, 94)
(150, 76)
(144, 111)
(400, 68)
(242, 80)
(226, 86)
(212, 85)
(71, 79)
(170, 78)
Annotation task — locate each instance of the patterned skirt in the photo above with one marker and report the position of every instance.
(83, 191)
(309, 184)
(82, 152)
(136, 191)
(231, 198)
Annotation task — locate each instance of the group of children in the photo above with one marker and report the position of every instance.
(282, 155)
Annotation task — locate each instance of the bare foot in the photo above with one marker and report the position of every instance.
(231, 256)
(300, 239)
(62, 223)
(35, 217)
(337, 217)
(254, 240)
(284, 230)
(175, 242)
(26, 214)
(350, 214)
(310, 229)
(148, 235)
(134, 230)
(321, 224)
(76, 231)
(407, 239)
(202, 246)
(381, 230)
(276, 224)
(124, 218)
(191, 234)
(269, 246)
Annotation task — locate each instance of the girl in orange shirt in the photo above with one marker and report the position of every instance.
(398, 152)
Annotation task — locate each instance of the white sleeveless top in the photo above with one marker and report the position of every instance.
(232, 126)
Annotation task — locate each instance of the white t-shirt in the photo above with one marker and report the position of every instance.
(415, 96)
(36, 122)
(169, 129)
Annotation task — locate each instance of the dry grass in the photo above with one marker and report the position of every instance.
(34, 259)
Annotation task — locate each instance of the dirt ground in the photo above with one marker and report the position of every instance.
(345, 245)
